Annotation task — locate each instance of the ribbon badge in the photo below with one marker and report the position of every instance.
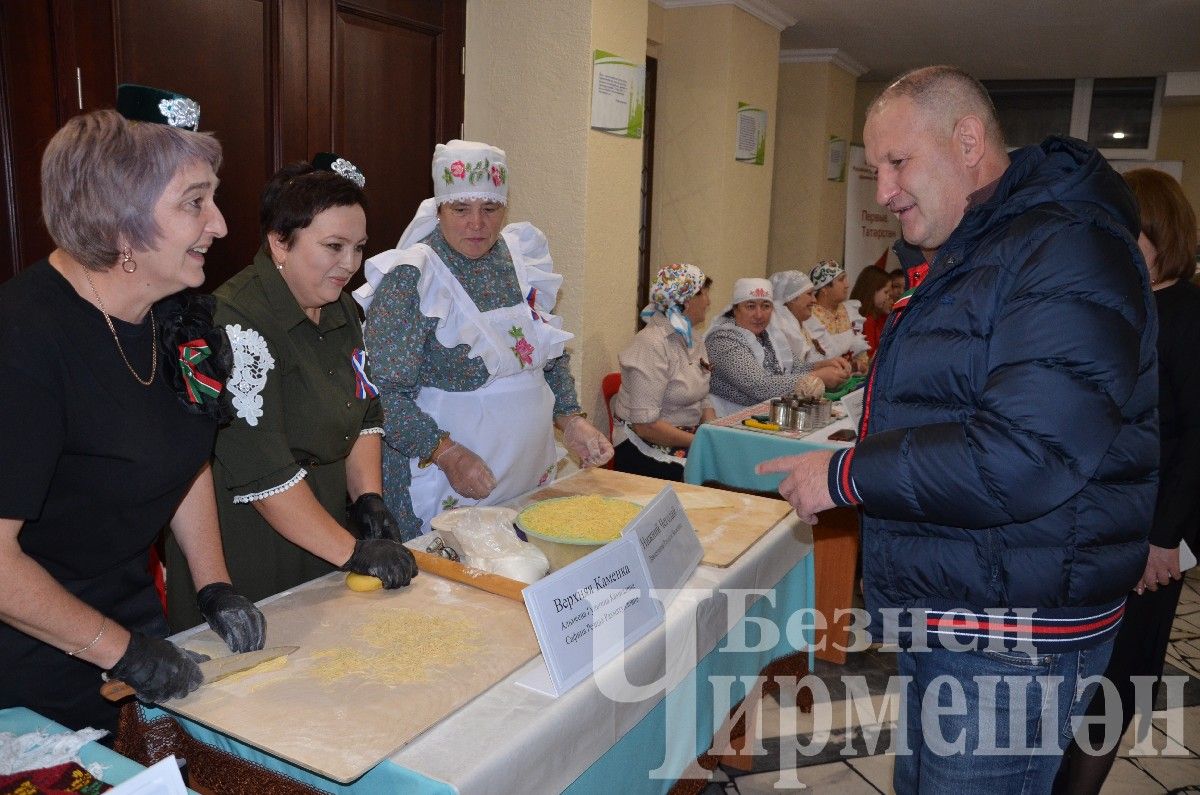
(363, 388)
(197, 384)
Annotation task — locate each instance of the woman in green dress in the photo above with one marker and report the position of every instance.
(305, 439)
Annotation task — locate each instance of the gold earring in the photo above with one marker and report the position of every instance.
(127, 263)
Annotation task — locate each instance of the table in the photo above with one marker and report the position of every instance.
(20, 720)
(728, 456)
(511, 739)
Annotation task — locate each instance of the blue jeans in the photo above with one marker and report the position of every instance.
(994, 722)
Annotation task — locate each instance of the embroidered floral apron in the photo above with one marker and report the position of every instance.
(508, 422)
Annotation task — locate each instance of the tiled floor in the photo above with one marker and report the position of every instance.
(852, 759)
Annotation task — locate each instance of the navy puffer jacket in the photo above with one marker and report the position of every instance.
(1009, 446)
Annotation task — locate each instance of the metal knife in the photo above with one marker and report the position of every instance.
(212, 670)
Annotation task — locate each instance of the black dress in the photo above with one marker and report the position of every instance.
(1141, 643)
(94, 464)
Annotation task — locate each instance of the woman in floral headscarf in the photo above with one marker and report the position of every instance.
(664, 378)
(468, 358)
(836, 323)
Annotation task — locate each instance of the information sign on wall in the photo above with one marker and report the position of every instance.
(750, 144)
(618, 95)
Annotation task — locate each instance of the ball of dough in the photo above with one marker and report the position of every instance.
(363, 582)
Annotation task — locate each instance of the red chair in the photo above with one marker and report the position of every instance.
(609, 387)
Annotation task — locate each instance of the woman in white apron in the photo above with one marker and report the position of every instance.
(748, 364)
(794, 300)
(469, 360)
(836, 324)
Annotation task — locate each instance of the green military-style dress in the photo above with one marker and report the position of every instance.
(302, 399)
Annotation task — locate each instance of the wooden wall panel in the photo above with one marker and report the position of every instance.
(218, 53)
(383, 116)
(28, 118)
(277, 80)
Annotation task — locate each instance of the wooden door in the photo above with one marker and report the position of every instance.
(394, 90)
(378, 81)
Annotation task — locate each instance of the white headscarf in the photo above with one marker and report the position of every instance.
(465, 170)
(791, 343)
(748, 289)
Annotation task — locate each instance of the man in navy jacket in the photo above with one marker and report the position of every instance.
(1007, 458)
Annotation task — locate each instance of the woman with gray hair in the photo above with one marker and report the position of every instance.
(112, 398)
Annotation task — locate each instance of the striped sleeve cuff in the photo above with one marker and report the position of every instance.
(841, 482)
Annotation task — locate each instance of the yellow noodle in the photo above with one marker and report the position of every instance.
(402, 646)
(582, 518)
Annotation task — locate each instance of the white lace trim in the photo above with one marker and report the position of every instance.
(251, 361)
(271, 492)
(371, 432)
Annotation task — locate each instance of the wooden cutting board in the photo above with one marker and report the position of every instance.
(358, 689)
(727, 523)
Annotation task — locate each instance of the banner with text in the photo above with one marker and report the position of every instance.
(870, 229)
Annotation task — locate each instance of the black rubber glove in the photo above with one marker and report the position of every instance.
(157, 669)
(232, 616)
(370, 518)
(384, 558)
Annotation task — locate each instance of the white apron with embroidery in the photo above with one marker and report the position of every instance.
(508, 422)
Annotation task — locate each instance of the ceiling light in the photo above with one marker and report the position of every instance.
(1118, 135)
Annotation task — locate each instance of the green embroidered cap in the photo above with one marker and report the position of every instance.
(157, 106)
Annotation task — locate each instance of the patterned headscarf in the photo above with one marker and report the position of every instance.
(825, 272)
(672, 287)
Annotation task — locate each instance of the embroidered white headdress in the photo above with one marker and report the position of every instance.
(465, 170)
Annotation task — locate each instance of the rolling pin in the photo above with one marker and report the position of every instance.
(453, 570)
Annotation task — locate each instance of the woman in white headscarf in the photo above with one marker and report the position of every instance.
(664, 378)
(469, 360)
(794, 302)
(836, 323)
(746, 368)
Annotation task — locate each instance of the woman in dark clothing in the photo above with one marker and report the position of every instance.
(1168, 242)
(305, 438)
(109, 408)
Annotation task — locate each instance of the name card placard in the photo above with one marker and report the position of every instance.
(669, 542)
(588, 612)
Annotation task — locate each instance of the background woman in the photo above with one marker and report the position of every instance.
(307, 426)
(873, 292)
(460, 327)
(745, 365)
(98, 451)
(1168, 242)
(835, 324)
(793, 342)
(664, 378)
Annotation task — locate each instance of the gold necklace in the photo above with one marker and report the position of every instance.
(153, 336)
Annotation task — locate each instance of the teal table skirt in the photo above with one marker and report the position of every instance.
(646, 747)
(729, 455)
